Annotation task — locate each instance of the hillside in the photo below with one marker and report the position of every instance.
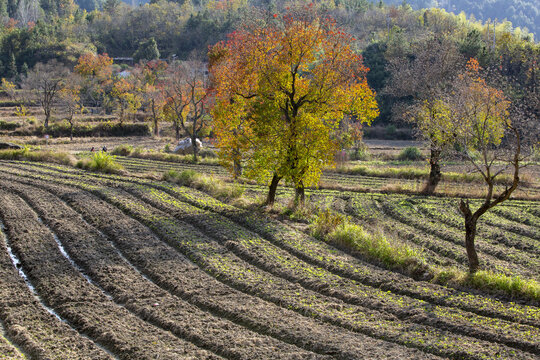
(521, 13)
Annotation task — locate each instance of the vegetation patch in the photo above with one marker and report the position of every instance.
(491, 282)
(38, 155)
(206, 156)
(338, 229)
(410, 153)
(101, 162)
(207, 183)
(62, 129)
(9, 126)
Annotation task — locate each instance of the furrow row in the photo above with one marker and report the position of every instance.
(143, 297)
(215, 295)
(322, 255)
(161, 222)
(80, 302)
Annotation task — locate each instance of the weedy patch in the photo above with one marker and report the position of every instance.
(101, 162)
(489, 281)
(38, 155)
(207, 183)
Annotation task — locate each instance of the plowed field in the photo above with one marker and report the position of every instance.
(109, 267)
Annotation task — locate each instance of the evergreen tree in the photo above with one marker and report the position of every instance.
(12, 6)
(3, 8)
(24, 69)
(11, 70)
(147, 50)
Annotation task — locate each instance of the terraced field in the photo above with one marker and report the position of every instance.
(329, 179)
(110, 267)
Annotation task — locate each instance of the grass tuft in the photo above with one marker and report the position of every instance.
(122, 150)
(207, 183)
(101, 162)
(326, 222)
(410, 154)
(488, 281)
(377, 247)
(38, 156)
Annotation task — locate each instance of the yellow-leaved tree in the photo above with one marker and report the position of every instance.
(476, 116)
(281, 87)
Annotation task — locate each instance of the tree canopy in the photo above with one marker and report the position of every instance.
(281, 89)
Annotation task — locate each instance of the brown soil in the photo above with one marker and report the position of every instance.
(218, 283)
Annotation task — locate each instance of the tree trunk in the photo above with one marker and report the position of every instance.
(195, 148)
(154, 115)
(47, 116)
(177, 130)
(470, 234)
(121, 115)
(270, 199)
(237, 168)
(300, 194)
(435, 171)
(71, 130)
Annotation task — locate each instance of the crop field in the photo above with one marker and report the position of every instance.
(97, 266)
(332, 179)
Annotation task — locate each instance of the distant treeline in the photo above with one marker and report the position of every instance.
(36, 31)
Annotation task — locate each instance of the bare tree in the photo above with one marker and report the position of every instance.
(187, 93)
(28, 11)
(44, 82)
(425, 76)
(70, 98)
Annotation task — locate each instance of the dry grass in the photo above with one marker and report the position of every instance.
(39, 156)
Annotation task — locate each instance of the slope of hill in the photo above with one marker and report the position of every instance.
(521, 13)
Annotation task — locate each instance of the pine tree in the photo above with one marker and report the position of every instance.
(147, 50)
(11, 70)
(24, 69)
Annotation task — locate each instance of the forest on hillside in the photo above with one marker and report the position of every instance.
(521, 13)
(387, 36)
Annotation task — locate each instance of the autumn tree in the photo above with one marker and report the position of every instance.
(44, 82)
(150, 82)
(281, 89)
(96, 70)
(187, 99)
(127, 97)
(491, 142)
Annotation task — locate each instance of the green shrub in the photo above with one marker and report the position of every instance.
(122, 150)
(390, 131)
(362, 154)
(101, 162)
(410, 154)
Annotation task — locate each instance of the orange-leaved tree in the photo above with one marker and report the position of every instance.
(150, 81)
(281, 88)
(126, 94)
(96, 70)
